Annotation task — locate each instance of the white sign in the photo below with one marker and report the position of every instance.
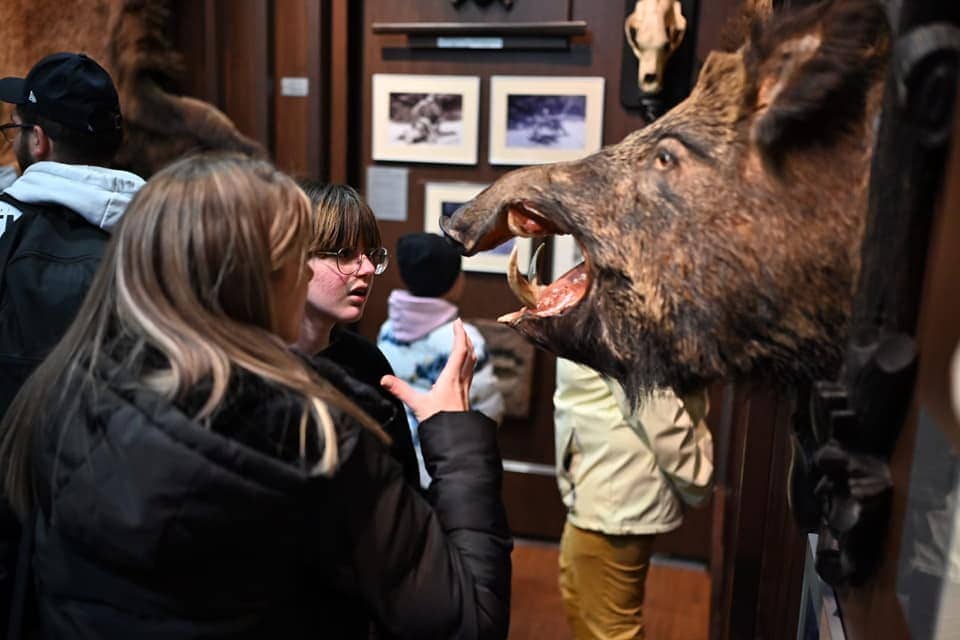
(387, 192)
(470, 43)
(297, 87)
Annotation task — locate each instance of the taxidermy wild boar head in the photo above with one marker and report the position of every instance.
(654, 30)
(723, 239)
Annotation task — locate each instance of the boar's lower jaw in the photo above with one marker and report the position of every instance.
(545, 301)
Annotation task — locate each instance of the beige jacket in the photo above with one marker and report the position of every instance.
(623, 472)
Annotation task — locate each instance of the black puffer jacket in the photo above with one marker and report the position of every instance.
(363, 361)
(151, 526)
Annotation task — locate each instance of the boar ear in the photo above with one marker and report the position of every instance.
(810, 73)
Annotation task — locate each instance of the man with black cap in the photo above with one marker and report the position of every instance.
(418, 335)
(55, 219)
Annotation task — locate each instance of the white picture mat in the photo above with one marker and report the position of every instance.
(384, 148)
(494, 261)
(501, 87)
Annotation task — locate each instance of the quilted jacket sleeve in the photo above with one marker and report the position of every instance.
(435, 566)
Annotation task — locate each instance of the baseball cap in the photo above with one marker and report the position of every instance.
(70, 89)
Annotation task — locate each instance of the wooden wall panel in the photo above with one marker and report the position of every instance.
(246, 55)
(343, 102)
(196, 34)
(297, 123)
(758, 561)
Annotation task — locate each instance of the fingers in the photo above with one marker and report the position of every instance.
(460, 352)
(466, 369)
(467, 365)
(401, 390)
(466, 375)
(451, 391)
(466, 336)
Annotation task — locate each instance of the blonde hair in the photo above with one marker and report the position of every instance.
(187, 273)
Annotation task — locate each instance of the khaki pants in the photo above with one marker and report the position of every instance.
(601, 581)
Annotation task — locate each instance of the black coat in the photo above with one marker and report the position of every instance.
(362, 360)
(48, 258)
(151, 525)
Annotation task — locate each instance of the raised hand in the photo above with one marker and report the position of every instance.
(451, 391)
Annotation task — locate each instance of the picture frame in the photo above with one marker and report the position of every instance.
(539, 119)
(443, 198)
(425, 118)
(514, 361)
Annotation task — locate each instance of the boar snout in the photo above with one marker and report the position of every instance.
(527, 203)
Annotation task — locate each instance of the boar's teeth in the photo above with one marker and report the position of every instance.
(533, 270)
(521, 287)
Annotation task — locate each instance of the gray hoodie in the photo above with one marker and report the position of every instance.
(98, 194)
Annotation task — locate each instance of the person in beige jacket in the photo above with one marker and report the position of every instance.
(625, 477)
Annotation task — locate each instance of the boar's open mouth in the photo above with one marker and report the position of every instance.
(540, 300)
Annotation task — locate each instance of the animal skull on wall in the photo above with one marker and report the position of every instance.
(654, 30)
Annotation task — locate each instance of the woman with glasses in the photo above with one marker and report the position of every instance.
(188, 476)
(345, 256)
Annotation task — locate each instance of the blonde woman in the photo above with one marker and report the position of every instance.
(189, 476)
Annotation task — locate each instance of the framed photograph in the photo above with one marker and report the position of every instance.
(513, 360)
(442, 199)
(534, 120)
(422, 118)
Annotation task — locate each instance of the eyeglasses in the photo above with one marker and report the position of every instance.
(349, 261)
(9, 128)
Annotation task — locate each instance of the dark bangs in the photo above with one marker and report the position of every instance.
(343, 219)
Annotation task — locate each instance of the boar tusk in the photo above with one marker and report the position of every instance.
(521, 287)
(533, 270)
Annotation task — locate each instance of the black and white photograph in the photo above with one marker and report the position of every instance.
(556, 122)
(441, 199)
(423, 118)
(426, 118)
(535, 120)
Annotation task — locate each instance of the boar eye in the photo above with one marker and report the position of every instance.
(665, 160)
